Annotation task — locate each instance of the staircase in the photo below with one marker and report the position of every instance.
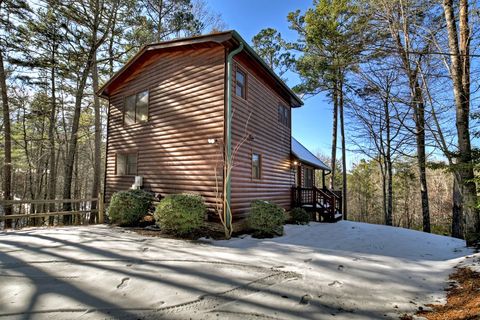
(323, 204)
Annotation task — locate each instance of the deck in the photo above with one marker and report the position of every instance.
(323, 204)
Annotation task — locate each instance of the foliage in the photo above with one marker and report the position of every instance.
(269, 45)
(365, 195)
(332, 35)
(265, 219)
(128, 207)
(181, 214)
(299, 216)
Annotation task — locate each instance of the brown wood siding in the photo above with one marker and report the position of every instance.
(257, 115)
(186, 108)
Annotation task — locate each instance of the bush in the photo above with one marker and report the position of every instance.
(265, 219)
(299, 216)
(181, 214)
(128, 207)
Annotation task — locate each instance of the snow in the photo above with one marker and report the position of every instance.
(344, 270)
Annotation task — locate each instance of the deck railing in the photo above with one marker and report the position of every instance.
(325, 202)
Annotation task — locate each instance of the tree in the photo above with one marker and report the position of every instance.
(9, 12)
(45, 38)
(157, 20)
(378, 126)
(332, 36)
(459, 46)
(270, 46)
(405, 22)
(88, 28)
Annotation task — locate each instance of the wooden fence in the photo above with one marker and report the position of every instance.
(34, 212)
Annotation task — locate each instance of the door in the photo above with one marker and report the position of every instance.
(308, 177)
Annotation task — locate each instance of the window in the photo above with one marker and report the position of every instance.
(240, 81)
(283, 115)
(256, 166)
(126, 164)
(136, 108)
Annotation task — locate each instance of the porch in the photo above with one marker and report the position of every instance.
(309, 190)
(323, 204)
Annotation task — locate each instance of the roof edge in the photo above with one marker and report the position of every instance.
(251, 51)
(326, 167)
(220, 38)
(165, 44)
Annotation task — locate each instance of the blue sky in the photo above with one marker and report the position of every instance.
(311, 124)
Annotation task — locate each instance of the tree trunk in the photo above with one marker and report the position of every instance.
(97, 143)
(457, 208)
(383, 172)
(52, 178)
(344, 151)
(334, 137)
(7, 164)
(72, 149)
(460, 73)
(388, 161)
(419, 114)
(389, 190)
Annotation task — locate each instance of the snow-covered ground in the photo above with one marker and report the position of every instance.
(344, 270)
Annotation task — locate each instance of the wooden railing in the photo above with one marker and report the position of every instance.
(337, 195)
(25, 213)
(323, 201)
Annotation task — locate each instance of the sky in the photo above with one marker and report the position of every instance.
(311, 124)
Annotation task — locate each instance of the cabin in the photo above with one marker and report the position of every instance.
(206, 115)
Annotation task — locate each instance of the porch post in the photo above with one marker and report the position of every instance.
(323, 179)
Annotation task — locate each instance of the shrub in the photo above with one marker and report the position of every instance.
(181, 214)
(265, 219)
(128, 207)
(299, 216)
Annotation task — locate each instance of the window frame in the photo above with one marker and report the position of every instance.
(245, 81)
(135, 121)
(260, 160)
(126, 154)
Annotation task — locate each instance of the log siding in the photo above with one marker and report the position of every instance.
(186, 108)
(257, 129)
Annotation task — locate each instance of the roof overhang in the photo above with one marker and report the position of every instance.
(306, 156)
(228, 39)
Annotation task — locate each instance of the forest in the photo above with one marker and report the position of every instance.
(400, 77)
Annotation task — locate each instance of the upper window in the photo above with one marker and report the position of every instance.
(283, 115)
(126, 164)
(256, 166)
(241, 81)
(136, 108)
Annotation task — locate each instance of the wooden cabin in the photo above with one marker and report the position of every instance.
(206, 115)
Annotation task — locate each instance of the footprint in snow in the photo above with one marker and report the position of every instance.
(341, 267)
(306, 299)
(123, 283)
(336, 284)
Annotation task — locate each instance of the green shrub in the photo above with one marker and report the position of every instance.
(128, 207)
(299, 216)
(181, 214)
(265, 219)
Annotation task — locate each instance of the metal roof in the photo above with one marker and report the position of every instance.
(304, 155)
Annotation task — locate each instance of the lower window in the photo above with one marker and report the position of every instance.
(126, 164)
(256, 166)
